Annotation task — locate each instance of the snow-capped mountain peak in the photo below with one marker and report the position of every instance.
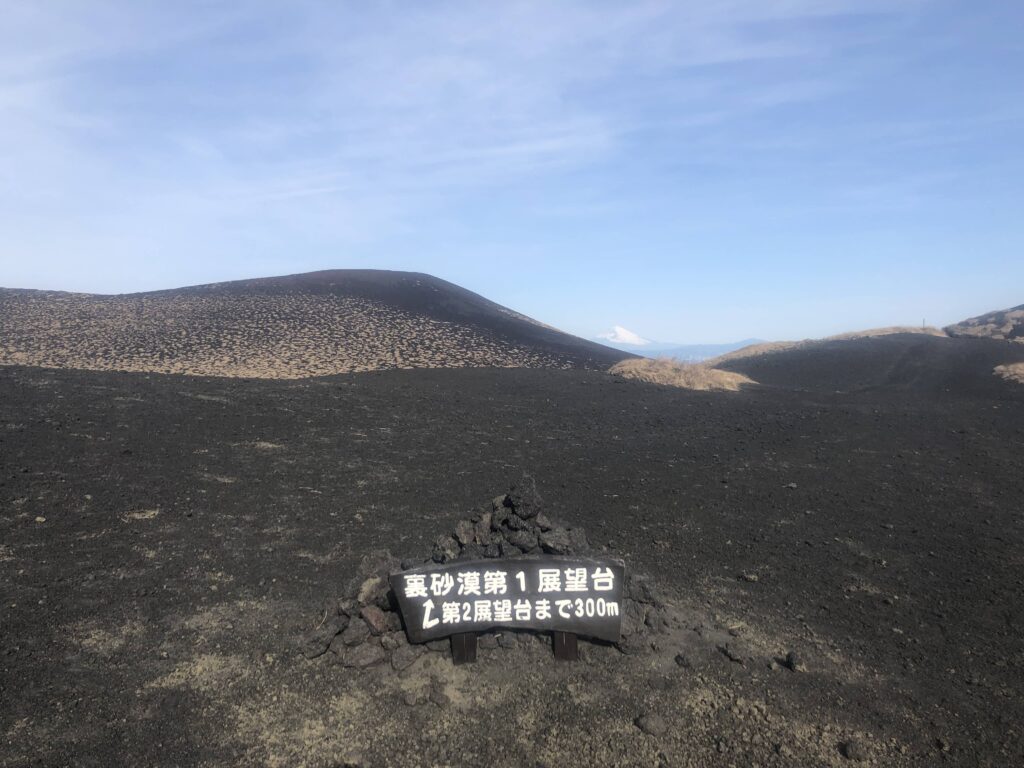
(620, 335)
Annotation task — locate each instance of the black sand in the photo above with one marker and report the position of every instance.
(191, 529)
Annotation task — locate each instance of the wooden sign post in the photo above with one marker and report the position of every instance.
(464, 647)
(565, 646)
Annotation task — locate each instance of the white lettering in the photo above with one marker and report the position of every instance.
(523, 610)
(575, 579)
(415, 585)
(450, 613)
(542, 610)
(494, 583)
(427, 621)
(482, 610)
(469, 583)
(441, 584)
(503, 610)
(604, 579)
(550, 580)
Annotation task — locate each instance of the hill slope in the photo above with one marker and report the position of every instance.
(1003, 324)
(918, 364)
(312, 324)
(771, 347)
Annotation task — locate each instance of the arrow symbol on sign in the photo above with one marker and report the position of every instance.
(427, 621)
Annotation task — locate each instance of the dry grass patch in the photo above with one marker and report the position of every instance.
(673, 373)
(1010, 372)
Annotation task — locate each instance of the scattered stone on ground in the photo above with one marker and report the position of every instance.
(652, 724)
(731, 653)
(794, 662)
(856, 749)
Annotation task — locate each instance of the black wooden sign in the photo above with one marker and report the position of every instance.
(544, 593)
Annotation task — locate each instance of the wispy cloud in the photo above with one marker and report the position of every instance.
(199, 128)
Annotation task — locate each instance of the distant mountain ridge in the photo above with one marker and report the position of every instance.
(771, 347)
(311, 324)
(686, 353)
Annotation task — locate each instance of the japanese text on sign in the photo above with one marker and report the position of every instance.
(544, 593)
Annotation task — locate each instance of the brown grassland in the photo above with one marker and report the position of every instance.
(673, 373)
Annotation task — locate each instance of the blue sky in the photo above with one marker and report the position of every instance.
(693, 171)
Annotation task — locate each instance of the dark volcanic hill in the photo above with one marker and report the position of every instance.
(1003, 324)
(898, 363)
(320, 323)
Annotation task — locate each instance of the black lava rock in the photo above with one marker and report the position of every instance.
(652, 724)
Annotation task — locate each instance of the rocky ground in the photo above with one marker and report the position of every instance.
(843, 570)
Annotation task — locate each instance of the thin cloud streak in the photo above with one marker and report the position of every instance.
(401, 95)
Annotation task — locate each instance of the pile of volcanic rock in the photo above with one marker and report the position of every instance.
(364, 627)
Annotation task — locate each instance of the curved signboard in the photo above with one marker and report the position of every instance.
(545, 593)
